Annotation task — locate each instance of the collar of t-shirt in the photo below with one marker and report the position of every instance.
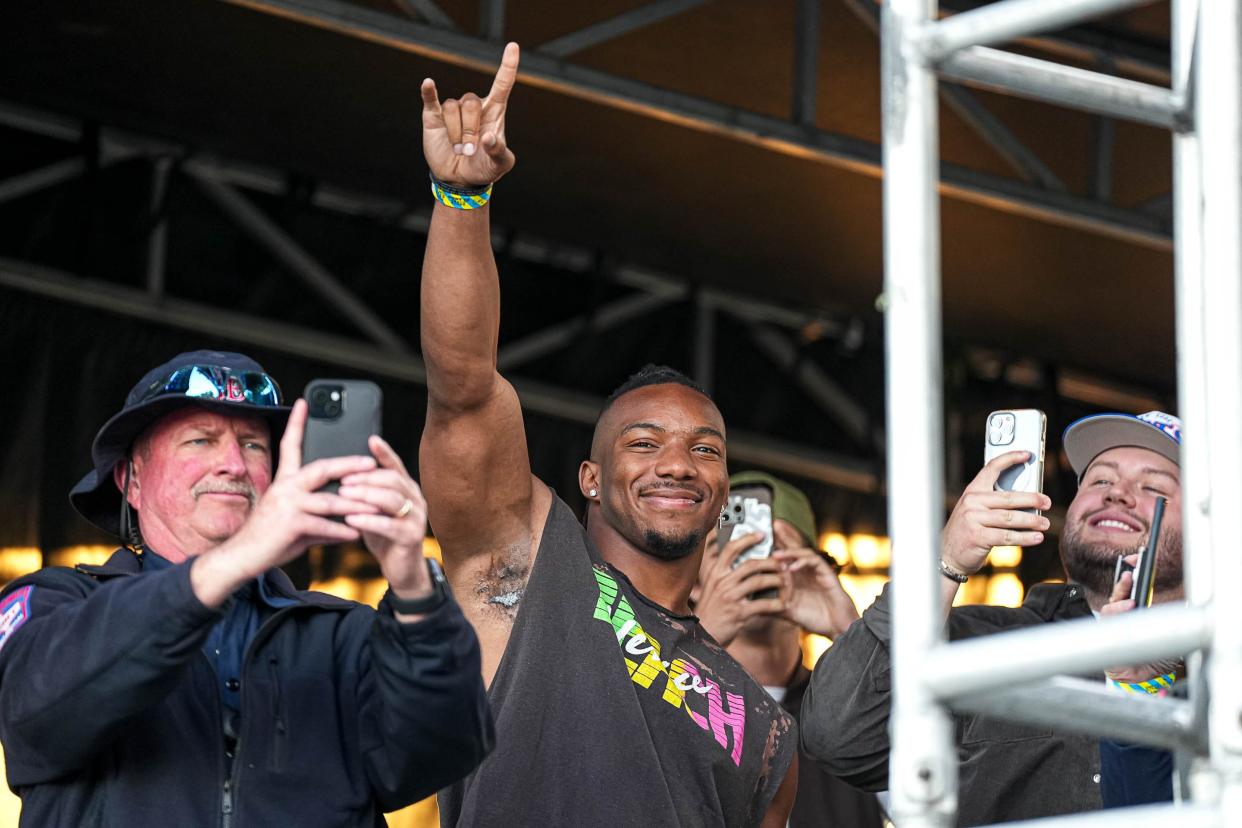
(228, 640)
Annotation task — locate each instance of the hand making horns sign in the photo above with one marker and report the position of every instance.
(455, 131)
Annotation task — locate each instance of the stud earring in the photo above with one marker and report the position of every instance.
(593, 493)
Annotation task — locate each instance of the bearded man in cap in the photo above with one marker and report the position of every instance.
(185, 681)
(1008, 771)
(763, 630)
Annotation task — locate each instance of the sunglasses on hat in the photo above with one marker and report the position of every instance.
(213, 382)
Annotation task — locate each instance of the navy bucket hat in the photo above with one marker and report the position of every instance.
(217, 380)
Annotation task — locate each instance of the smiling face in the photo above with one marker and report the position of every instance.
(658, 463)
(1111, 516)
(197, 475)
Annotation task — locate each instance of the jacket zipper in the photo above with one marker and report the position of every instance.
(226, 804)
(278, 748)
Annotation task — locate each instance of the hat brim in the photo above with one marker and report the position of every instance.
(96, 496)
(1090, 437)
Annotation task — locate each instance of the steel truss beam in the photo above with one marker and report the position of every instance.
(1009, 20)
(262, 229)
(553, 338)
(779, 135)
(977, 116)
(615, 27)
(520, 246)
(1092, 708)
(429, 11)
(1043, 80)
(116, 146)
(537, 397)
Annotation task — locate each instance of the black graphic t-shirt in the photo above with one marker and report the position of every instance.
(611, 710)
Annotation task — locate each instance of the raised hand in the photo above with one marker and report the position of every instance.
(817, 602)
(985, 517)
(464, 140)
(290, 516)
(1121, 602)
(723, 602)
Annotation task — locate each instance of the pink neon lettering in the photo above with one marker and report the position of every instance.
(718, 719)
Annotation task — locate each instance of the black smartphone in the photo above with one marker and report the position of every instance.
(342, 416)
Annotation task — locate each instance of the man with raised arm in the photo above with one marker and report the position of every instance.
(1008, 771)
(611, 703)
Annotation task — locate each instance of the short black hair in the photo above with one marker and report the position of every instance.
(651, 374)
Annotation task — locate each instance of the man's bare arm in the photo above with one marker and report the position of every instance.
(484, 506)
(782, 804)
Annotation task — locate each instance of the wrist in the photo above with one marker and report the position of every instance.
(216, 574)
(1159, 685)
(418, 583)
(460, 196)
(953, 573)
(415, 604)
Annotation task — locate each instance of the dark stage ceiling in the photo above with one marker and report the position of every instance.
(610, 159)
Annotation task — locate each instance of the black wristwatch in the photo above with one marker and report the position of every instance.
(430, 603)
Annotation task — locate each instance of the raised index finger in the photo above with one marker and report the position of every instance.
(506, 76)
(291, 442)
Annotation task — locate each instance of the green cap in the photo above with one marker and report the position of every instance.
(788, 502)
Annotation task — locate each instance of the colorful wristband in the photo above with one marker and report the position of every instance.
(460, 198)
(1157, 686)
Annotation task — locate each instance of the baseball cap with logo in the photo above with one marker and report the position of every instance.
(1088, 438)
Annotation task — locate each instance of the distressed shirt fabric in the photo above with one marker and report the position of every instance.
(1006, 771)
(611, 710)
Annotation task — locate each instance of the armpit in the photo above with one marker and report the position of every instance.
(502, 584)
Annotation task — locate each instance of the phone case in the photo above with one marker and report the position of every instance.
(1017, 430)
(340, 425)
(747, 510)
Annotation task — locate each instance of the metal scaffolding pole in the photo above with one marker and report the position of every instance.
(923, 770)
(1190, 301)
(994, 674)
(1218, 110)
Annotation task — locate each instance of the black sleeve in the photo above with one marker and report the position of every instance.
(427, 720)
(844, 719)
(1134, 775)
(87, 660)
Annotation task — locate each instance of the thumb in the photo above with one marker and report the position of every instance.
(492, 144)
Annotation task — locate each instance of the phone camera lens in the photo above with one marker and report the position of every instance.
(327, 401)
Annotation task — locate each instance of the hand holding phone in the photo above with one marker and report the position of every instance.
(1018, 430)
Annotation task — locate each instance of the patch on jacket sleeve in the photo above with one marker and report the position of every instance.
(14, 611)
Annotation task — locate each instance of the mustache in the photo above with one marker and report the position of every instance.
(225, 487)
(665, 484)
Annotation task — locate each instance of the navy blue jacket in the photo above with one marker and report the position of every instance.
(110, 712)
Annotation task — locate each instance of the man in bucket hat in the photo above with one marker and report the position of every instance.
(185, 681)
(1009, 771)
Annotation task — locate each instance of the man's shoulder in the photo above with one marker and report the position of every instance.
(74, 579)
(1044, 603)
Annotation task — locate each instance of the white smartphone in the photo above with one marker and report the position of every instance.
(1022, 429)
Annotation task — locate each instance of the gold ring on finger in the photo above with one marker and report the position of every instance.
(405, 509)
